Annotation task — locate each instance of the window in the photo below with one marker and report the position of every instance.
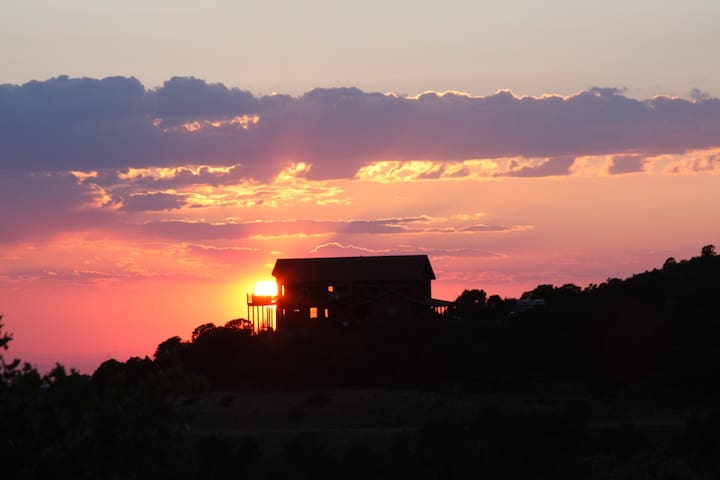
(331, 288)
(282, 290)
(327, 313)
(313, 312)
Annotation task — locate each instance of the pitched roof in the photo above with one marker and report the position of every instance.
(341, 269)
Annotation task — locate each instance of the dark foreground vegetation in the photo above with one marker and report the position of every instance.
(653, 337)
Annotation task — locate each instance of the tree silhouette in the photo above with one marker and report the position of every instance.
(5, 338)
(708, 251)
(168, 349)
(202, 329)
(8, 371)
(470, 304)
(239, 324)
(543, 291)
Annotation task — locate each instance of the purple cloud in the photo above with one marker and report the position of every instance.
(39, 205)
(185, 98)
(552, 166)
(152, 202)
(115, 123)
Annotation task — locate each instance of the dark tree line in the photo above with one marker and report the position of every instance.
(118, 423)
(656, 331)
(658, 328)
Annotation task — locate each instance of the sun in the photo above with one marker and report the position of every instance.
(265, 289)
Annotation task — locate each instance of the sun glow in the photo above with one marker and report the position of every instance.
(265, 289)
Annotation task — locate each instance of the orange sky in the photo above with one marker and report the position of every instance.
(105, 257)
(97, 292)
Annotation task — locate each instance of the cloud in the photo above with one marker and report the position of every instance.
(698, 95)
(227, 254)
(333, 249)
(705, 162)
(494, 228)
(337, 249)
(200, 231)
(605, 91)
(183, 99)
(83, 277)
(550, 167)
(143, 202)
(116, 123)
(38, 205)
(627, 164)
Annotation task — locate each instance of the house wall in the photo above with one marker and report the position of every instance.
(336, 301)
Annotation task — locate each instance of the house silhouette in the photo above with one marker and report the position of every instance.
(352, 290)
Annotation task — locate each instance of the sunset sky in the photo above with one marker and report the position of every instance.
(157, 157)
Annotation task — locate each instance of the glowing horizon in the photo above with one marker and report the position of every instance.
(146, 185)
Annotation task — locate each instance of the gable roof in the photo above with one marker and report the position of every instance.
(343, 269)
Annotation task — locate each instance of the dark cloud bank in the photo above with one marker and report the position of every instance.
(116, 123)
